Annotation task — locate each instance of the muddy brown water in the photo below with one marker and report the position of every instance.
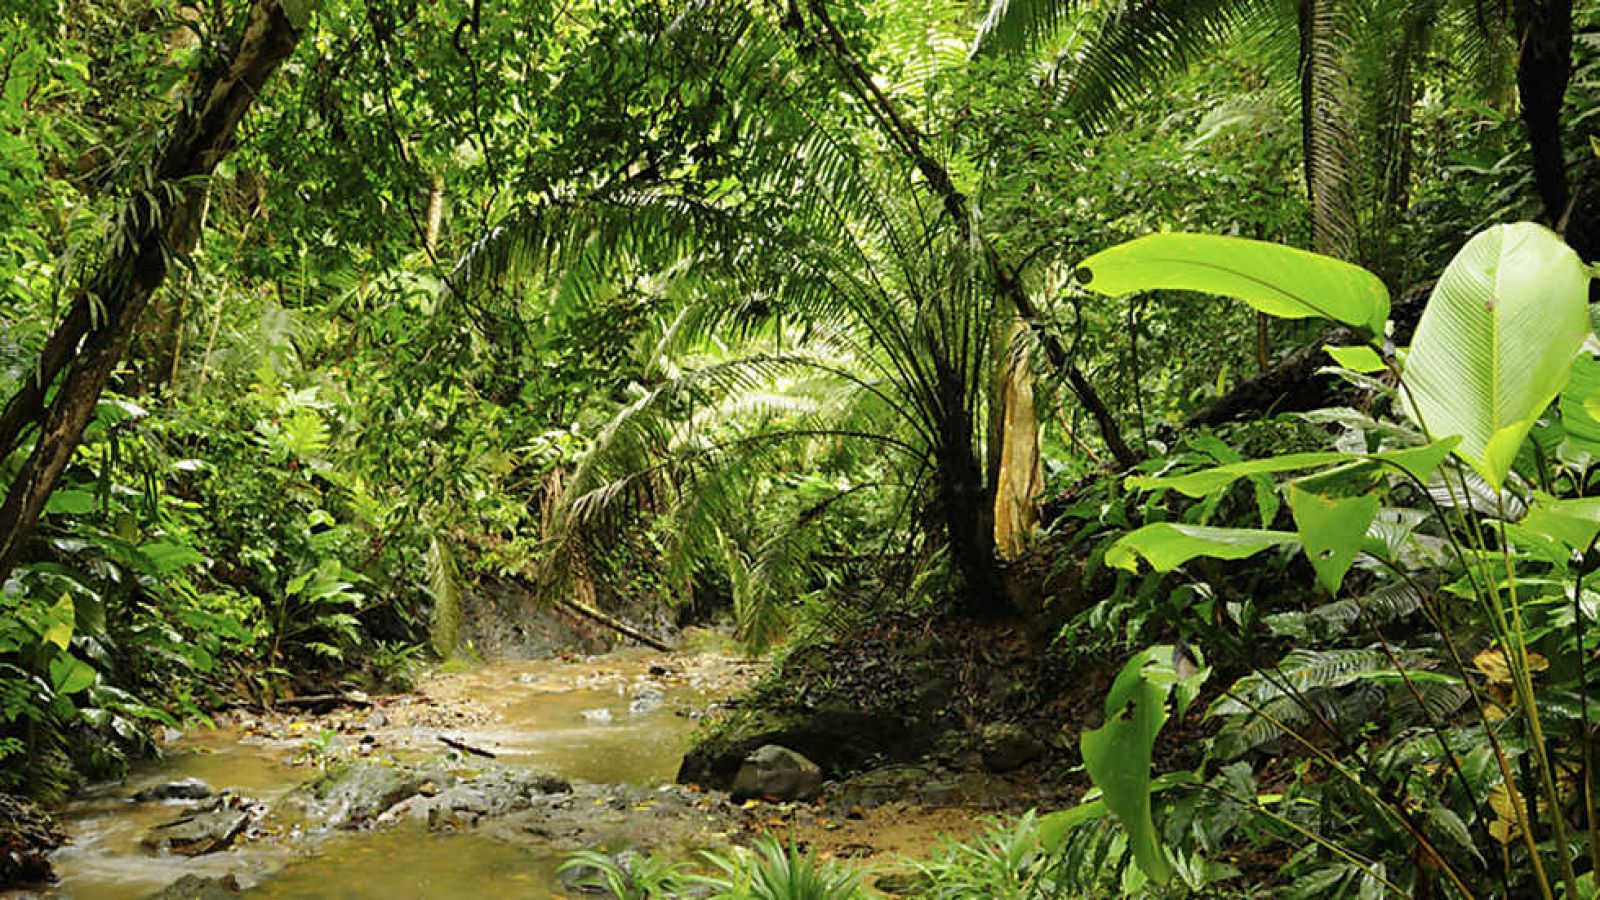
(582, 720)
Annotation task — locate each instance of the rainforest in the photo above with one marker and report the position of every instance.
(799, 449)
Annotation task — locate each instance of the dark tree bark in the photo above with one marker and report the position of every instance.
(966, 506)
(1544, 69)
(162, 220)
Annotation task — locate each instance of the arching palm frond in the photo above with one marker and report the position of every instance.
(1011, 26)
(1140, 44)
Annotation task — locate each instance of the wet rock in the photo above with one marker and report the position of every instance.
(187, 789)
(491, 795)
(27, 835)
(880, 787)
(597, 716)
(356, 794)
(646, 698)
(196, 887)
(588, 879)
(615, 816)
(1007, 747)
(211, 826)
(779, 773)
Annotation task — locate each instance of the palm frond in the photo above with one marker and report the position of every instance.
(1011, 26)
(1141, 43)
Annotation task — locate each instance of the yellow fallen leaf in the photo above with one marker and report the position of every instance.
(1497, 669)
(1507, 803)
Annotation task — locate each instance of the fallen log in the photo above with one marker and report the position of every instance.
(464, 747)
(321, 703)
(1295, 383)
(615, 624)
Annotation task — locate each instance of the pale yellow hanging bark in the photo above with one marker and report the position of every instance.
(1020, 478)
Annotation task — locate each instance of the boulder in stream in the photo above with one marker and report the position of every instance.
(646, 698)
(212, 825)
(197, 887)
(186, 789)
(356, 794)
(779, 773)
(490, 795)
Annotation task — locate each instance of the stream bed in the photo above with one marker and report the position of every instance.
(614, 726)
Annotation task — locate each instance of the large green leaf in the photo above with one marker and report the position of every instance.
(1496, 342)
(1204, 482)
(1168, 545)
(1574, 521)
(1277, 280)
(1117, 755)
(69, 674)
(1333, 530)
(1580, 404)
(1420, 462)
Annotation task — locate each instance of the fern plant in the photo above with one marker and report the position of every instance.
(820, 310)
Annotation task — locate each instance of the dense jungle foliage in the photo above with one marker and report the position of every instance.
(1240, 350)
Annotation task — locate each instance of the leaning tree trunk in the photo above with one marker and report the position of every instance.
(161, 227)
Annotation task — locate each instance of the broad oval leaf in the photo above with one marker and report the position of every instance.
(1573, 521)
(69, 674)
(1419, 462)
(1496, 342)
(1280, 281)
(1168, 545)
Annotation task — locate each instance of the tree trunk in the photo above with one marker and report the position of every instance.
(1326, 131)
(435, 214)
(162, 227)
(1544, 69)
(966, 506)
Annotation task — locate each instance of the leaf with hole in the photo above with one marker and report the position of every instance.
(1117, 755)
(1333, 530)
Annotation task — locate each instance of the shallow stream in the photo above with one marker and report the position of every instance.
(623, 718)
